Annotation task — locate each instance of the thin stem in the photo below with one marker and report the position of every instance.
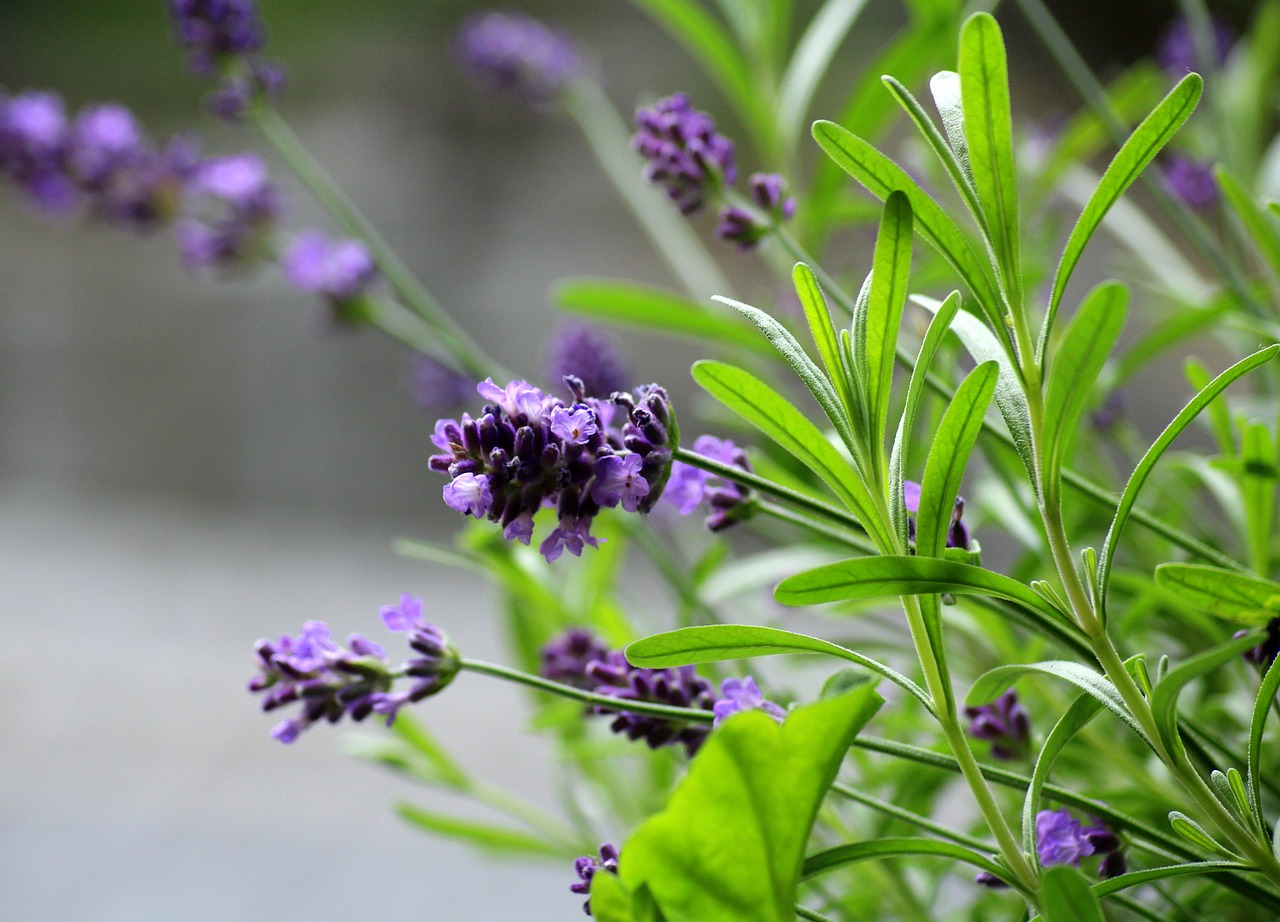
(691, 715)
(811, 914)
(783, 514)
(671, 569)
(913, 819)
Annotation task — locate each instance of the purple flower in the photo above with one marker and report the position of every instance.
(1004, 723)
(1265, 653)
(148, 189)
(747, 229)
(566, 658)
(1059, 839)
(1191, 181)
(570, 535)
(574, 425)
(743, 695)
(436, 386)
(236, 92)
(214, 31)
(33, 141)
(957, 533)
(689, 485)
(588, 866)
(435, 666)
(683, 150)
(618, 480)
(229, 209)
(340, 269)
(517, 54)
(769, 191)
(103, 140)
(580, 351)
(1177, 49)
(469, 493)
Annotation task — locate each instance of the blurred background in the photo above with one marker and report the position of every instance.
(189, 463)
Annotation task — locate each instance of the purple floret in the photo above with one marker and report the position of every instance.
(1191, 181)
(683, 151)
(580, 351)
(1177, 49)
(340, 268)
(746, 229)
(737, 695)
(1004, 723)
(229, 210)
(588, 866)
(1060, 840)
(213, 31)
(730, 503)
(957, 531)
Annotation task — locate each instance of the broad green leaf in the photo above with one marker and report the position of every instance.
(1133, 157)
(1086, 345)
(1231, 596)
(995, 682)
(486, 836)
(944, 86)
(883, 577)
(898, 847)
(955, 160)
(729, 846)
(1261, 709)
(1165, 439)
(988, 131)
(1257, 224)
(1164, 701)
(949, 457)
(890, 275)
(1066, 896)
(823, 330)
(881, 176)
(713, 643)
(1082, 711)
(1151, 875)
(635, 305)
(821, 388)
(610, 899)
(813, 55)
(933, 337)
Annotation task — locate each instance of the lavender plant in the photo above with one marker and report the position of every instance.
(1066, 653)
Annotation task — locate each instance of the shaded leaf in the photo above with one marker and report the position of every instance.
(1231, 596)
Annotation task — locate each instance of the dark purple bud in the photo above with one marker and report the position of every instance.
(1004, 723)
(1264, 654)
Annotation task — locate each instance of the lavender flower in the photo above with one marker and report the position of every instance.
(34, 135)
(216, 31)
(515, 53)
(1060, 840)
(580, 351)
(1265, 653)
(339, 269)
(328, 680)
(1004, 723)
(435, 386)
(684, 151)
(104, 140)
(689, 485)
(433, 669)
(1192, 181)
(747, 229)
(565, 660)
(588, 866)
(1177, 49)
(229, 209)
(957, 533)
(528, 450)
(743, 695)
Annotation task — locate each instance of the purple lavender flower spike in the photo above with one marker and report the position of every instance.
(744, 695)
(574, 425)
(683, 150)
(215, 31)
(618, 480)
(103, 140)
(34, 135)
(730, 503)
(957, 531)
(435, 666)
(1004, 723)
(1059, 839)
(468, 493)
(1177, 49)
(340, 269)
(229, 209)
(588, 866)
(515, 53)
(769, 191)
(566, 658)
(580, 351)
(1191, 181)
(746, 229)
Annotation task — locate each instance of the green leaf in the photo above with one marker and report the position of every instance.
(1164, 701)
(424, 743)
(713, 643)
(949, 457)
(1085, 348)
(610, 899)
(947, 98)
(821, 388)
(1261, 709)
(995, 682)
(1194, 833)
(1133, 157)
(1066, 896)
(813, 55)
(898, 847)
(1151, 875)
(1148, 462)
(1231, 596)
(883, 577)
(1260, 228)
(729, 845)
(485, 836)
(988, 131)
(823, 330)
(881, 176)
(770, 412)
(890, 275)
(1082, 711)
(1258, 491)
(653, 309)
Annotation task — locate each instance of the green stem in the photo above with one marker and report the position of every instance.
(811, 915)
(783, 514)
(913, 819)
(526, 813)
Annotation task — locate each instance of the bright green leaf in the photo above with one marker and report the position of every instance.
(1082, 711)
(898, 847)
(1261, 710)
(1231, 596)
(890, 274)
(823, 330)
(1066, 896)
(1151, 875)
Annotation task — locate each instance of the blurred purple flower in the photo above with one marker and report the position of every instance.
(684, 152)
(435, 386)
(213, 31)
(1060, 840)
(229, 209)
(1004, 723)
(738, 695)
(581, 351)
(957, 532)
(339, 268)
(1177, 49)
(515, 53)
(1191, 181)
(689, 485)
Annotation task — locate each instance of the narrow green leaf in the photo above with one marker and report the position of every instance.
(1164, 701)
(1148, 461)
(933, 337)
(881, 176)
(1066, 896)
(1258, 491)
(424, 743)
(729, 845)
(485, 836)
(1231, 596)
(821, 388)
(1077, 716)
(1085, 348)
(813, 55)
(773, 415)
(1133, 157)
(713, 643)
(1194, 833)
(822, 329)
(1151, 875)
(1261, 709)
(629, 304)
(898, 847)
(1260, 228)
(890, 275)
(949, 457)
(995, 682)
(944, 86)
(988, 131)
